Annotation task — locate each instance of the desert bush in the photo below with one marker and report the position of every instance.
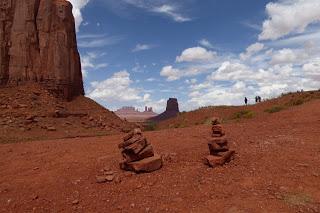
(150, 126)
(297, 199)
(295, 102)
(243, 114)
(207, 120)
(275, 109)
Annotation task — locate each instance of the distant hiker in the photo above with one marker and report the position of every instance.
(246, 100)
(257, 98)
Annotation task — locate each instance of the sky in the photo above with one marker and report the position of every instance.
(203, 52)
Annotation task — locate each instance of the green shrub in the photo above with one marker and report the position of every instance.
(207, 120)
(275, 109)
(150, 126)
(243, 114)
(295, 102)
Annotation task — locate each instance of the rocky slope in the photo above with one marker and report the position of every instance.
(236, 113)
(38, 44)
(29, 112)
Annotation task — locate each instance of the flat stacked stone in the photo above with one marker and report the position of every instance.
(218, 146)
(138, 154)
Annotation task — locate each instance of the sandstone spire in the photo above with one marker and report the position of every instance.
(38, 44)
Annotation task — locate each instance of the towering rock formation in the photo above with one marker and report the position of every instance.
(38, 44)
(172, 110)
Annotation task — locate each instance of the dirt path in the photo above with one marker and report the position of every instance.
(276, 170)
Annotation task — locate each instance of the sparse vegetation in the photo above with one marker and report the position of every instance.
(207, 120)
(297, 199)
(275, 109)
(295, 102)
(150, 126)
(247, 114)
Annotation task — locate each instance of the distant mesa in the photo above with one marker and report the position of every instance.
(172, 110)
(134, 115)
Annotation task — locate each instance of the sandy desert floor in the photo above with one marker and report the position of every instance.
(276, 169)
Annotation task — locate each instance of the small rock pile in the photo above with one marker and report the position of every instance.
(218, 146)
(138, 154)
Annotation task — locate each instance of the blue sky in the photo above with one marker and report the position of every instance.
(203, 52)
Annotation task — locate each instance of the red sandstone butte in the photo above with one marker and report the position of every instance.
(38, 44)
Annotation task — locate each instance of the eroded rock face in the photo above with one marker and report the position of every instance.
(38, 44)
(172, 105)
(172, 110)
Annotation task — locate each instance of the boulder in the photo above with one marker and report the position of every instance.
(129, 156)
(214, 160)
(146, 165)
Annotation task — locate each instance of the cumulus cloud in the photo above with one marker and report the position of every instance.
(289, 16)
(114, 89)
(78, 5)
(171, 73)
(312, 69)
(119, 90)
(196, 54)
(289, 56)
(251, 50)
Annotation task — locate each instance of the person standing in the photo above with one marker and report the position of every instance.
(246, 101)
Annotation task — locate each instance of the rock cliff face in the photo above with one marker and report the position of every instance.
(38, 44)
(172, 110)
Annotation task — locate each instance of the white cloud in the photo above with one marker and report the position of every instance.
(89, 62)
(231, 71)
(312, 69)
(196, 54)
(298, 40)
(205, 43)
(171, 11)
(164, 7)
(171, 73)
(97, 40)
(151, 79)
(115, 89)
(251, 50)
(289, 16)
(78, 5)
(142, 47)
(119, 90)
(289, 56)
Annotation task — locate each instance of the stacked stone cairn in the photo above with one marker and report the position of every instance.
(138, 155)
(218, 146)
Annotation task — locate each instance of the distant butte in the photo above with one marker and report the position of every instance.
(38, 44)
(172, 110)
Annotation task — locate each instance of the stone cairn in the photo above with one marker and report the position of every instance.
(138, 155)
(218, 146)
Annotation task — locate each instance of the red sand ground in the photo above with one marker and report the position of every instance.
(276, 169)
